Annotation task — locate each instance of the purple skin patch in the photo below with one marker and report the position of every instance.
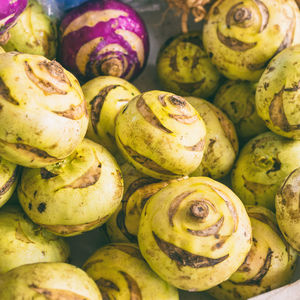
(127, 60)
(10, 11)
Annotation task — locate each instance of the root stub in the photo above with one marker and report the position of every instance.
(184, 7)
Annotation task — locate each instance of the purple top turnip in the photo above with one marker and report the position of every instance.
(104, 37)
(9, 13)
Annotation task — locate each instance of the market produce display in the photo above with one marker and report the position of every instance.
(75, 195)
(138, 162)
(104, 38)
(184, 68)
(262, 166)
(106, 96)
(185, 7)
(23, 242)
(269, 264)
(287, 209)
(278, 93)
(121, 273)
(9, 13)
(188, 232)
(48, 281)
(237, 100)
(241, 37)
(221, 146)
(48, 104)
(161, 134)
(34, 33)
